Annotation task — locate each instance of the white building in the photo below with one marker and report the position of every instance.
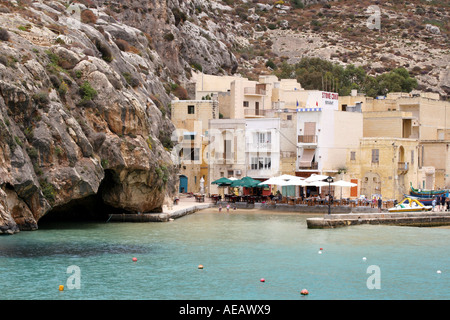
(244, 147)
(262, 150)
(326, 135)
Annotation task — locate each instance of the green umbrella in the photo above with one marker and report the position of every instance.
(222, 181)
(247, 182)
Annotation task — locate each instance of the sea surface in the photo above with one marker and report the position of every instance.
(94, 261)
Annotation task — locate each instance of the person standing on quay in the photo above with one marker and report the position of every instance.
(443, 202)
(380, 202)
(433, 203)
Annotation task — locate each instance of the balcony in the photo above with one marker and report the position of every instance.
(253, 113)
(310, 139)
(249, 91)
(224, 158)
(403, 167)
(261, 173)
(259, 147)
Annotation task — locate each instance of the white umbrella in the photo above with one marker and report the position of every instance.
(296, 182)
(281, 180)
(273, 180)
(288, 177)
(316, 177)
(317, 184)
(342, 183)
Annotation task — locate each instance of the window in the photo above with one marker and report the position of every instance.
(375, 155)
(289, 117)
(192, 154)
(230, 173)
(264, 137)
(260, 163)
(246, 104)
(352, 155)
(412, 157)
(191, 109)
(267, 163)
(254, 163)
(189, 136)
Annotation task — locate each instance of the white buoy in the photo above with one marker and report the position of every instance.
(438, 272)
(364, 258)
(320, 252)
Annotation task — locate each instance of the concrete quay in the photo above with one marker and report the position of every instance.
(184, 207)
(412, 219)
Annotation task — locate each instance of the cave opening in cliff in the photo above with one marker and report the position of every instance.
(88, 209)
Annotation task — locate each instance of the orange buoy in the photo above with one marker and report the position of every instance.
(61, 287)
(304, 292)
(200, 266)
(134, 259)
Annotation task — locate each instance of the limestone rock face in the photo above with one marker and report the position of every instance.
(84, 108)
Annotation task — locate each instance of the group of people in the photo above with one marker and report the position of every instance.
(441, 202)
(228, 207)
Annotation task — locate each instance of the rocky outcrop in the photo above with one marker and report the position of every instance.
(83, 105)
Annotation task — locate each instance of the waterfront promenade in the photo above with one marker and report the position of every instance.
(341, 216)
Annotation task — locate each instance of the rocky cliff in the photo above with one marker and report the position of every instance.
(84, 95)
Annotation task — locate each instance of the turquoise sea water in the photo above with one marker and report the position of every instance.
(236, 250)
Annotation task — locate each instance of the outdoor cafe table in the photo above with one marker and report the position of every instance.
(199, 197)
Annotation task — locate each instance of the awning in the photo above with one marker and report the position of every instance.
(306, 159)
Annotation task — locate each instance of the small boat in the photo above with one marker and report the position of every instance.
(427, 193)
(424, 201)
(410, 205)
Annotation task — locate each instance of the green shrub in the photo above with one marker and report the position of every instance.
(63, 88)
(87, 92)
(48, 190)
(41, 98)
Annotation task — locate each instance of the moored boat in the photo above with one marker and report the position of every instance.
(410, 205)
(427, 193)
(424, 201)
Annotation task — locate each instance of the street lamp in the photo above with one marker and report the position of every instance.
(329, 180)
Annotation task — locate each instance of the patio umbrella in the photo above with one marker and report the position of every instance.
(273, 180)
(317, 184)
(342, 183)
(316, 177)
(222, 181)
(296, 182)
(252, 183)
(282, 180)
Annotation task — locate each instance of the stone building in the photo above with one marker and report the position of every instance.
(191, 118)
(421, 116)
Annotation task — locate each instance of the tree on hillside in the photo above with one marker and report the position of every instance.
(319, 74)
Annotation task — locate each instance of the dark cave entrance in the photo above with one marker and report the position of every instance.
(88, 209)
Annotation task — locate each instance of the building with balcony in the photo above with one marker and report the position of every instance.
(244, 147)
(326, 138)
(262, 137)
(421, 116)
(387, 166)
(226, 150)
(191, 119)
